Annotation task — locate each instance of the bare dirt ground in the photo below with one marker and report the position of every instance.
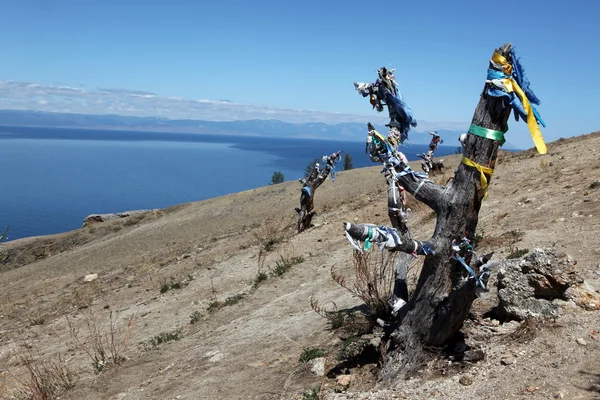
(201, 329)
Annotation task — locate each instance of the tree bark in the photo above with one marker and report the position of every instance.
(443, 297)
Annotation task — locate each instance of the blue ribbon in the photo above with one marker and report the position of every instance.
(519, 76)
(469, 270)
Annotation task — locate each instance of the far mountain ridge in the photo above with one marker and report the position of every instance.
(350, 131)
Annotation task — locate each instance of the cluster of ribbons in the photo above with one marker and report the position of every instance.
(509, 81)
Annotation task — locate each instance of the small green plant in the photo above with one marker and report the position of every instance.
(260, 277)
(515, 252)
(39, 320)
(217, 305)
(165, 337)
(594, 185)
(195, 317)
(312, 394)
(479, 236)
(284, 265)
(269, 244)
(174, 283)
(311, 353)
(351, 348)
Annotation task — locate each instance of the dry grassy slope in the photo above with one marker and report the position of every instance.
(250, 349)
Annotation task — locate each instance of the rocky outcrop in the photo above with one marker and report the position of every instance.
(96, 218)
(535, 285)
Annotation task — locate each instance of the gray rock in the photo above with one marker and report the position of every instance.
(508, 360)
(318, 366)
(528, 286)
(96, 218)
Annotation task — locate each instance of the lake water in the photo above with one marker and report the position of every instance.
(52, 178)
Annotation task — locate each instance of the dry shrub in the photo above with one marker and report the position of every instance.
(529, 329)
(373, 282)
(46, 379)
(350, 321)
(105, 343)
(270, 233)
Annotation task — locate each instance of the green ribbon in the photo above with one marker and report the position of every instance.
(488, 133)
(368, 239)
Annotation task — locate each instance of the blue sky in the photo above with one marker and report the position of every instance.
(303, 55)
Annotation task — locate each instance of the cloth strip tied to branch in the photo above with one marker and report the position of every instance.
(509, 80)
(488, 133)
(483, 171)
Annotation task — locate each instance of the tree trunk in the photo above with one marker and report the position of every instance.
(310, 185)
(443, 298)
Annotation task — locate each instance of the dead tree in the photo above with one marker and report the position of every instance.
(443, 296)
(309, 186)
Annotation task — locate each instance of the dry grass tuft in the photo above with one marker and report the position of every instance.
(373, 280)
(105, 344)
(45, 379)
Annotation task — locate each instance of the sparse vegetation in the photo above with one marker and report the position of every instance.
(350, 321)
(37, 320)
(104, 346)
(166, 337)
(311, 353)
(260, 277)
(195, 317)
(174, 283)
(479, 236)
(46, 378)
(594, 185)
(284, 264)
(373, 281)
(515, 252)
(216, 305)
(312, 394)
(269, 234)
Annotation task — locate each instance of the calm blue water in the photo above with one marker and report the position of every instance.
(52, 178)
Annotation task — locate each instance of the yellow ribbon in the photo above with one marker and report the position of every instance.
(372, 100)
(483, 171)
(512, 85)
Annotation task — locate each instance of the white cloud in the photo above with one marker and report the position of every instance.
(64, 98)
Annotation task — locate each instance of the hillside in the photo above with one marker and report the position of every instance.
(197, 262)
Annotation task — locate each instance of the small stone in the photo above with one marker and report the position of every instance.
(90, 277)
(532, 388)
(343, 381)
(559, 395)
(581, 341)
(466, 380)
(508, 360)
(318, 366)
